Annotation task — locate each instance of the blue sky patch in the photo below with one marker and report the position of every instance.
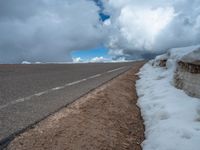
(96, 52)
(91, 53)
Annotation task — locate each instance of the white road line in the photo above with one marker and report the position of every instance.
(41, 93)
(115, 69)
(76, 82)
(3, 106)
(95, 76)
(20, 100)
(54, 89)
(58, 88)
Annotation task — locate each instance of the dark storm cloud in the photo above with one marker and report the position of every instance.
(23, 9)
(47, 30)
(150, 27)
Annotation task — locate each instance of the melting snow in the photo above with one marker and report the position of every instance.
(171, 118)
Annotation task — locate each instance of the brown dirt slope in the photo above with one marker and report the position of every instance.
(105, 119)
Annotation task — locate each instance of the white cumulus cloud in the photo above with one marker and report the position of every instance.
(143, 28)
(77, 60)
(98, 59)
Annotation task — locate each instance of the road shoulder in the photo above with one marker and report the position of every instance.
(106, 118)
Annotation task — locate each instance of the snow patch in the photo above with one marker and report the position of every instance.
(171, 117)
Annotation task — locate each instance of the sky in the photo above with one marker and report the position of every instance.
(100, 54)
(63, 30)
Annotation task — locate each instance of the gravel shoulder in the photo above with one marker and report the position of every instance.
(106, 118)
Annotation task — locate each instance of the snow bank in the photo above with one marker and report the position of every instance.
(171, 117)
(193, 57)
(178, 53)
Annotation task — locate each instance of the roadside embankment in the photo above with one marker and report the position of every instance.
(171, 115)
(186, 68)
(106, 118)
(187, 74)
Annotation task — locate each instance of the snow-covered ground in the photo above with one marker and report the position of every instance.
(171, 117)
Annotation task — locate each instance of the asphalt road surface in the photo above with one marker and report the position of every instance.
(29, 93)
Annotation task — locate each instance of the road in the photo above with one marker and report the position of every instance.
(29, 93)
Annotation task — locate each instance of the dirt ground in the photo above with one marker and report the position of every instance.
(105, 119)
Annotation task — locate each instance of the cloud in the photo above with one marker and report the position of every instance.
(98, 59)
(77, 60)
(47, 30)
(25, 62)
(145, 28)
(92, 60)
